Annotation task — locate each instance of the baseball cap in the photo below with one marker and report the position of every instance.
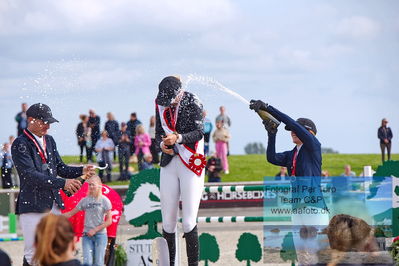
(168, 90)
(41, 111)
(306, 123)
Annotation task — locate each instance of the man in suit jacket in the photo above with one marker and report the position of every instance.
(385, 136)
(303, 162)
(179, 133)
(38, 165)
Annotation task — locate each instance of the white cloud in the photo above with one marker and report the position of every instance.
(358, 27)
(297, 59)
(78, 16)
(335, 50)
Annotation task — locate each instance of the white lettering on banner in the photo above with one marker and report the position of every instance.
(242, 195)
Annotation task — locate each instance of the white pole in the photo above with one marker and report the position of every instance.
(367, 171)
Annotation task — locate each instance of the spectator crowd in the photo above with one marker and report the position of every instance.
(130, 142)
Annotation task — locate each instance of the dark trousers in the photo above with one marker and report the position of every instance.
(91, 149)
(6, 177)
(82, 148)
(110, 252)
(154, 152)
(108, 170)
(124, 155)
(206, 143)
(388, 147)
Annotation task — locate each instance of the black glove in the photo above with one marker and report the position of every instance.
(257, 105)
(270, 126)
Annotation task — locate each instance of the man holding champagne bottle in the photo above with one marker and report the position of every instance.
(38, 165)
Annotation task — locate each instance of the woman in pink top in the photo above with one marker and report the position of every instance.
(142, 142)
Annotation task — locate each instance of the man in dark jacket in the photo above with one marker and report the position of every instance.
(21, 119)
(179, 133)
(131, 128)
(385, 136)
(38, 165)
(112, 127)
(309, 210)
(94, 124)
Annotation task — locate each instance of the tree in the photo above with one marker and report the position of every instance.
(209, 248)
(142, 203)
(248, 248)
(328, 150)
(255, 148)
(288, 251)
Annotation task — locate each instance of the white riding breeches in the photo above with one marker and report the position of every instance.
(29, 222)
(178, 182)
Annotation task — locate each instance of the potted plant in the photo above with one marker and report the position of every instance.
(120, 256)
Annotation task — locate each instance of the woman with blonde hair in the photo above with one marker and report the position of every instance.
(55, 242)
(96, 206)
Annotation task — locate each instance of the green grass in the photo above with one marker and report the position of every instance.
(254, 167)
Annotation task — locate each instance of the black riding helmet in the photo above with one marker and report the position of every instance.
(168, 90)
(306, 123)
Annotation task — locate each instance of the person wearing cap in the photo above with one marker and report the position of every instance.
(38, 165)
(385, 136)
(303, 163)
(179, 134)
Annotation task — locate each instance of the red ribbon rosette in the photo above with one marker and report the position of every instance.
(197, 163)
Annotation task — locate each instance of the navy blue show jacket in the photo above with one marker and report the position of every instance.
(39, 187)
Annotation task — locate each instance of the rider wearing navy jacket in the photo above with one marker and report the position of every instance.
(304, 166)
(303, 132)
(304, 160)
(38, 165)
(309, 158)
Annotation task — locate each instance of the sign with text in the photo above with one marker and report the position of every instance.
(314, 214)
(139, 252)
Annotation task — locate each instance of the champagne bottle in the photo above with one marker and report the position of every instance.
(81, 179)
(266, 116)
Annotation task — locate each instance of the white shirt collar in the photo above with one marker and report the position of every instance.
(298, 147)
(38, 139)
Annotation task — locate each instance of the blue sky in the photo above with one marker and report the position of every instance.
(335, 62)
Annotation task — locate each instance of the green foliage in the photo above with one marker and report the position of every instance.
(248, 248)
(209, 248)
(328, 150)
(120, 256)
(255, 148)
(395, 251)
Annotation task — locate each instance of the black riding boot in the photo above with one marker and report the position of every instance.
(171, 240)
(25, 262)
(192, 247)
